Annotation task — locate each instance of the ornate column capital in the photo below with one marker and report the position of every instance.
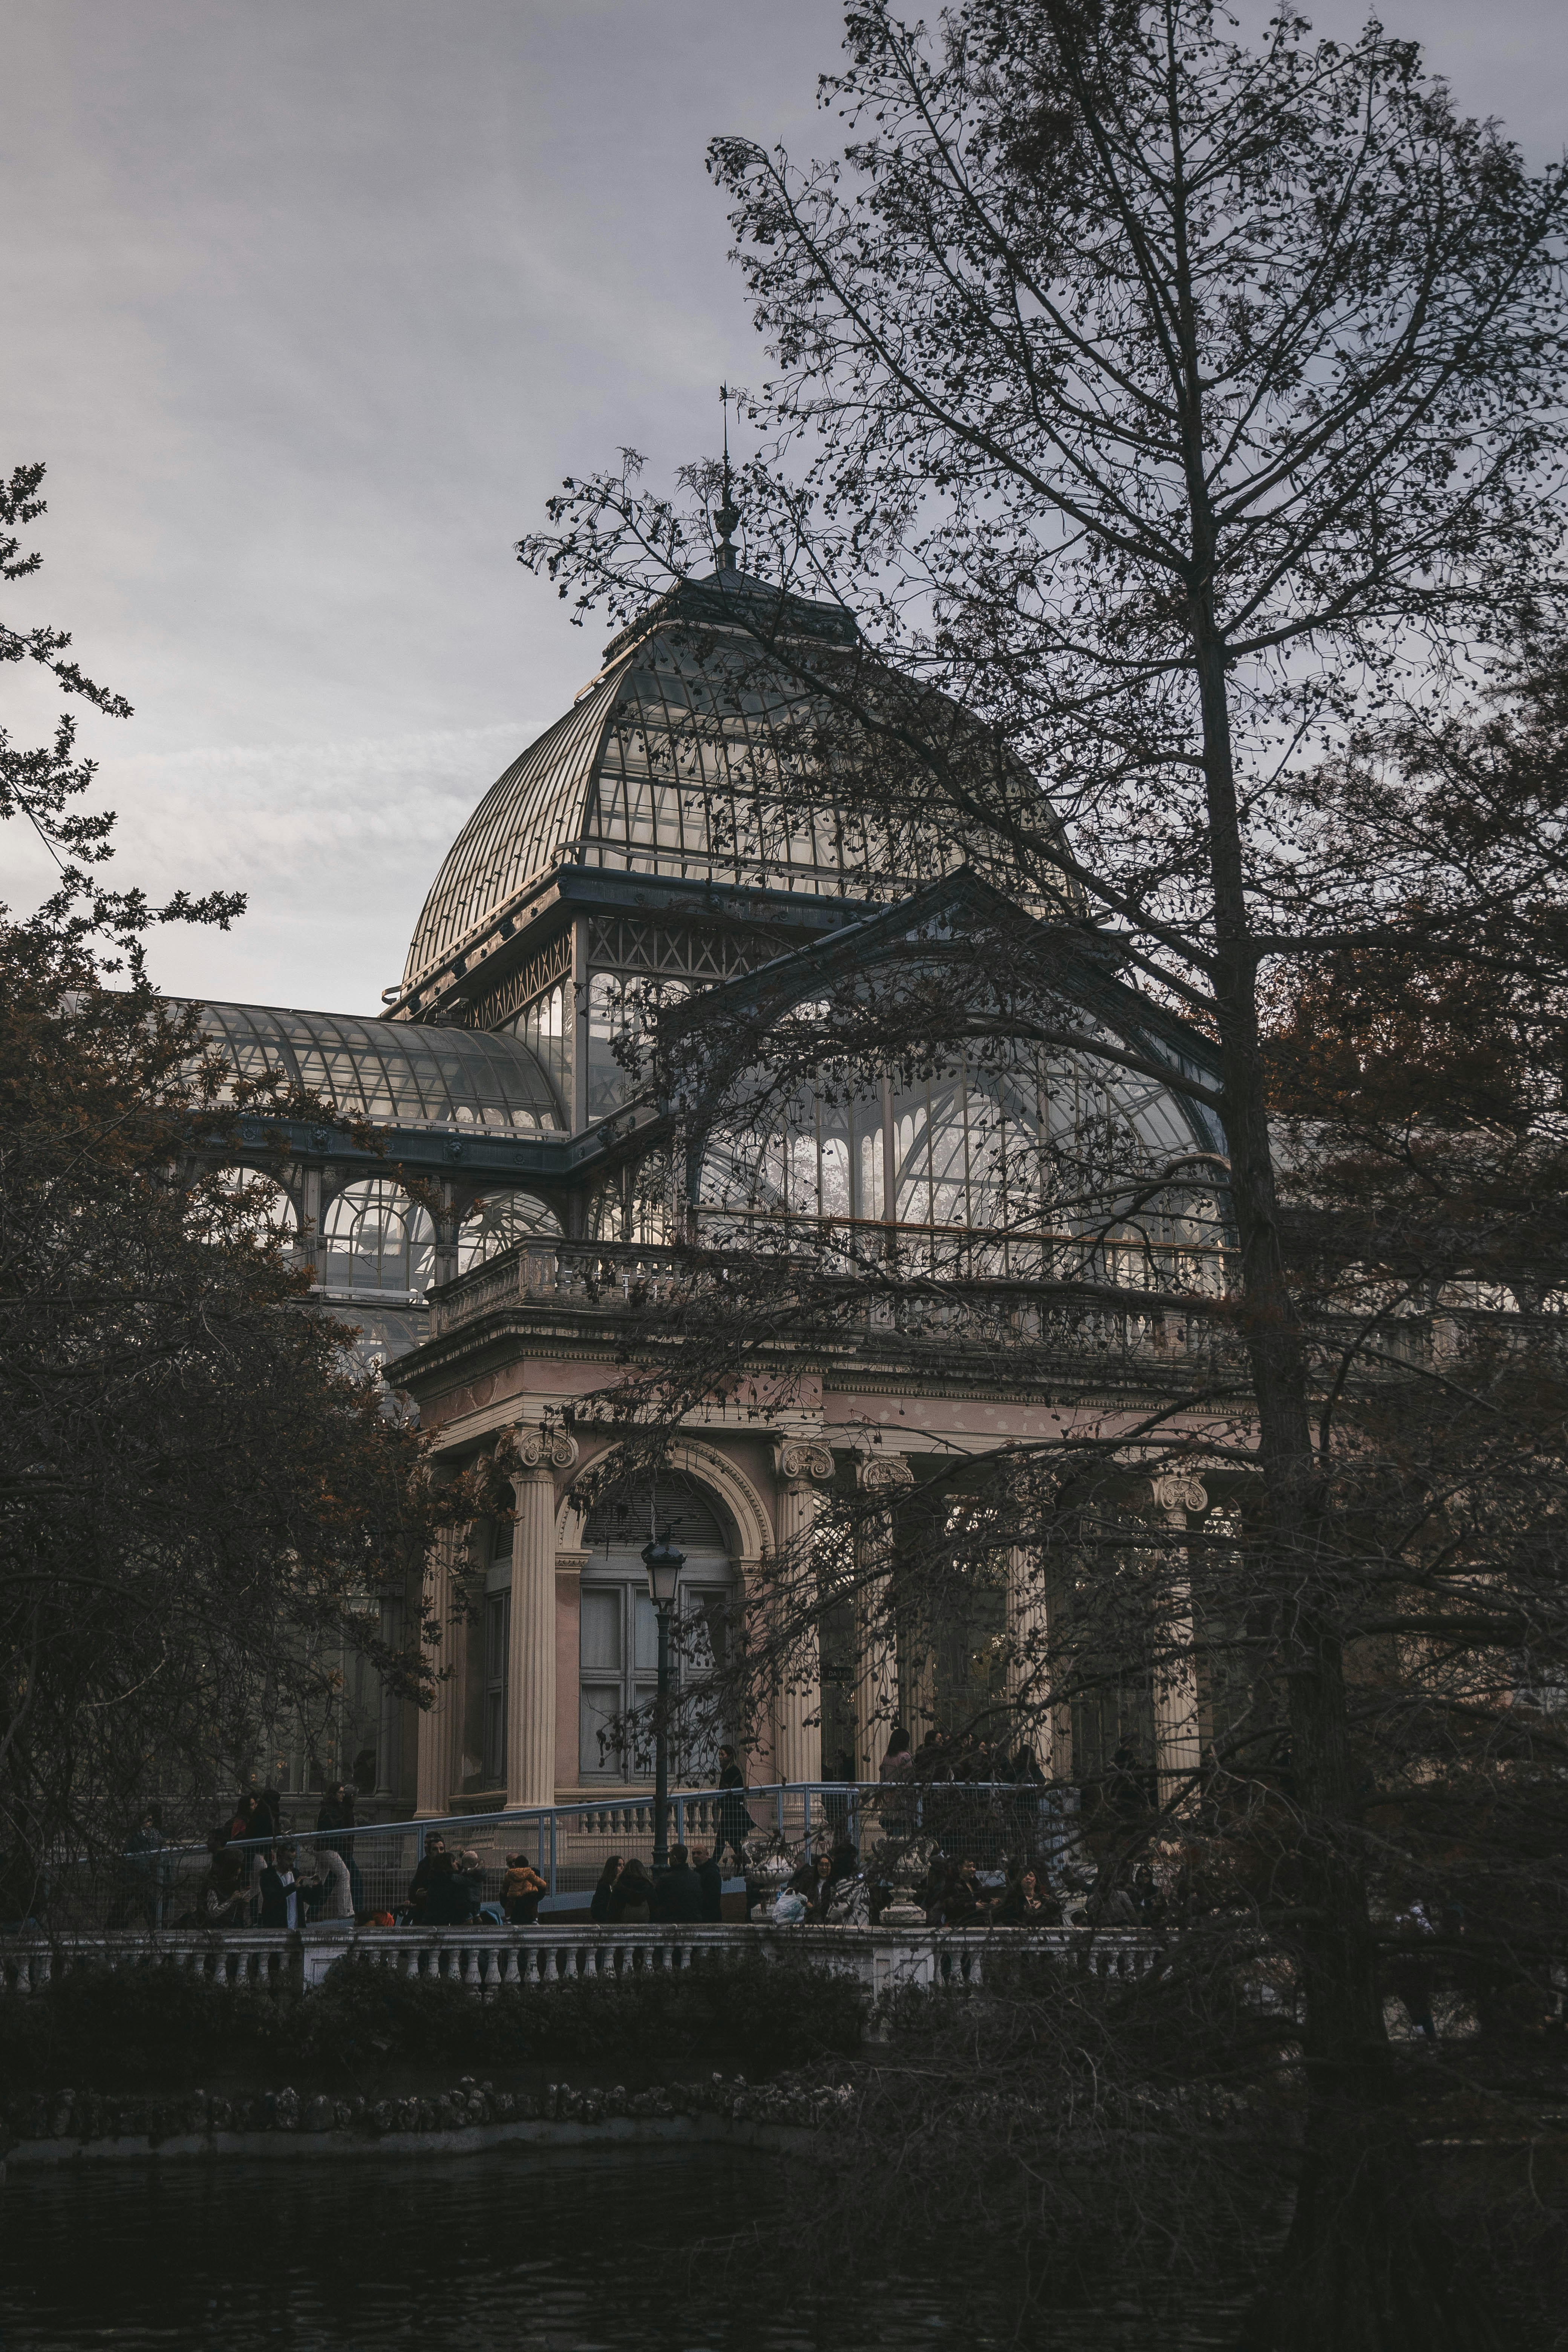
(877, 1472)
(1179, 1490)
(544, 1453)
(802, 1462)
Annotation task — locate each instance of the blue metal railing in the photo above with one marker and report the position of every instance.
(987, 1821)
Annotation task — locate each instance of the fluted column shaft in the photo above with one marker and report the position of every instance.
(530, 1694)
(797, 1740)
(432, 1763)
(389, 1721)
(1178, 1748)
(875, 1657)
(1036, 1629)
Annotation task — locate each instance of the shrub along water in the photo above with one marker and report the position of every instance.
(159, 2027)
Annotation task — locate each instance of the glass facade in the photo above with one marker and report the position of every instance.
(379, 1242)
(688, 757)
(1020, 1154)
(394, 1073)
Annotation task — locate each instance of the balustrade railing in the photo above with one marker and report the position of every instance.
(982, 1293)
(754, 1832)
(489, 1960)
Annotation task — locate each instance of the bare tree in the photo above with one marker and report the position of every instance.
(1183, 410)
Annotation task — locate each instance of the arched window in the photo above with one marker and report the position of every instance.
(1018, 1149)
(501, 1222)
(619, 1639)
(379, 1242)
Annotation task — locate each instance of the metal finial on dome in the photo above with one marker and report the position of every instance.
(727, 514)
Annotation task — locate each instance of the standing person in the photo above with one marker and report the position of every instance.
(735, 1823)
(604, 1892)
(144, 1849)
(711, 1878)
(447, 1901)
(632, 1901)
(338, 1814)
(471, 1878)
(424, 1871)
(269, 1814)
(520, 1890)
(678, 1891)
(280, 1891)
(337, 1897)
(243, 1822)
(898, 1813)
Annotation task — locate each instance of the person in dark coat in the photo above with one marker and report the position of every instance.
(448, 1903)
(280, 1891)
(733, 1826)
(678, 1891)
(424, 1871)
(603, 1892)
(633, 1898)
(711, 1878)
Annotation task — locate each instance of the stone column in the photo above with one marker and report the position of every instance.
(389, 1722)
(530, 1661)
(433, 1762)
(878, 1475)
(801, 1468)
(1035, 1627)
(1178, 1748)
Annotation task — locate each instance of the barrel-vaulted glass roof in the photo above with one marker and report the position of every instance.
(669, 764)
(392, 1072)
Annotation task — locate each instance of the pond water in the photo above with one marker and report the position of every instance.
(642, 2252)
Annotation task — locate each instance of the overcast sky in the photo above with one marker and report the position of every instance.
(307, 305)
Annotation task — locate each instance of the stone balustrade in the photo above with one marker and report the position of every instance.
(488, 1960)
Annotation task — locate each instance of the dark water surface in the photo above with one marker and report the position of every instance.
(639, 2253)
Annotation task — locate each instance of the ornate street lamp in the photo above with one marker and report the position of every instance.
(664, 1564)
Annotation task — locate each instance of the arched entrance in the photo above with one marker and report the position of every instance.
(618, 1641)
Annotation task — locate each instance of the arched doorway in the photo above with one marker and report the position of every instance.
(618, 1641)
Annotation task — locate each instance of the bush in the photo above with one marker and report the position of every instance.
(148, 2025)
(772, 2013)
(160, 2027)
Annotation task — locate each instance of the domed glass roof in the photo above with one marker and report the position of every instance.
(669, 764)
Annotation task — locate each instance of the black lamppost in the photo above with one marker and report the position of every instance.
(664, 1564)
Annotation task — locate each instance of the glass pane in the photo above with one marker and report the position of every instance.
(599, 1704)
(644, 1634)
(602, 1631)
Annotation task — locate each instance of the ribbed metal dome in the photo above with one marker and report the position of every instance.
(667, 764)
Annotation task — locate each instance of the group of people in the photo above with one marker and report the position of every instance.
(832, 1890)
(689, 1891)
(275, 1885)
(450, 1890)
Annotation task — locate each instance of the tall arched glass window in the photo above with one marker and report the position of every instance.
(499, 1222)
(1024, 1151)
(379, 1242)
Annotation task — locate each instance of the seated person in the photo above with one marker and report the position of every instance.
(520, 1890)
(224, 1901)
